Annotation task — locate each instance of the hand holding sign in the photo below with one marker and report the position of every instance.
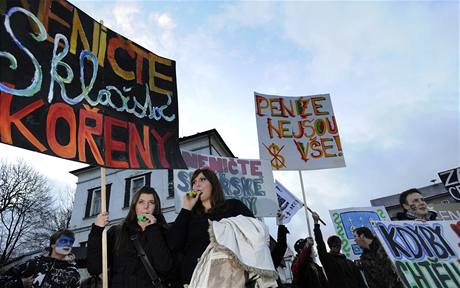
(316, 217)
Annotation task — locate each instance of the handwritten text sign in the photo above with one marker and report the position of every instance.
(298, 133)
(250, 181)
(449, 211)
(451, 180)
(347, 220)
(425, 254)
(71, 88)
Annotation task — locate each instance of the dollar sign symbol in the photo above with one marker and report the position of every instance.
(278, 160)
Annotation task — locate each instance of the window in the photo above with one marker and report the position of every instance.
(96, 202)
(133, 184)
(93, 203)
(137, 183)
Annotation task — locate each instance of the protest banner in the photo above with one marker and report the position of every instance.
(449, 211)
(289, 204)
(451, 180)
(250, 181)
(298, 133)
(74, 89)
(347, 220)
(425, 254)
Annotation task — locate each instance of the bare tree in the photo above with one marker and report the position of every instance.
(25, 204)
(58, 218)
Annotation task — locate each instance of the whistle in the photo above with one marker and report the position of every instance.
(192, 194)
(142, 218)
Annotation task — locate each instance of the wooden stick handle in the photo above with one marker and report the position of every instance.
(320, 220)
(105, 275)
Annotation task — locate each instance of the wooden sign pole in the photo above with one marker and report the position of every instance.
(105, 276)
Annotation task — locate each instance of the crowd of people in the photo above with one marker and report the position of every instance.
(214, 242)
(374, 268)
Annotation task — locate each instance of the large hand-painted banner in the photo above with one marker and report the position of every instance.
(451, 180)
(425, 254)
(347, 220)
(71, 88)
(298, 133)
(250, 181)
(289, 203)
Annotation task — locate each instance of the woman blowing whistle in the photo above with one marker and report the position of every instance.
(147, 223)
(189, 235)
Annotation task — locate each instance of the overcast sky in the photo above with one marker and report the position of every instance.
(391, 68)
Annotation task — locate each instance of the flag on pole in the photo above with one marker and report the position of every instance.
(289, 203)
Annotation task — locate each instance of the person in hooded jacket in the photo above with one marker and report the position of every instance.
(145, 221)
(341, 272)
(54, 269)
(306, 273)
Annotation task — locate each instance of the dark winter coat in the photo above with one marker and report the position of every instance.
(407, 215)
(189, 236)
(341, 272)
(307, 274)
(377, 267)
(126, 268)
(47, 272)
(280, 247)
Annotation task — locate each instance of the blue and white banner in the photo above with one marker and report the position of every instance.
(289, 203)
(347, 220)
(250, 181)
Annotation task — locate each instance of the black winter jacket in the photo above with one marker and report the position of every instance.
(307, 274)
(47, 272)
(126, 268)
(189, 235)
(341, 272)
(280, 247)
(407, 215)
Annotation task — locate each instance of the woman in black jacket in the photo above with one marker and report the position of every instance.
(145, 220)
(189, 235)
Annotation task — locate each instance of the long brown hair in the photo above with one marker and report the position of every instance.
(217, 194)
(129, 225)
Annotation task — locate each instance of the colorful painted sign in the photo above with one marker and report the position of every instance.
(250, 181)
(449, 211)
(347, 220)
(71, 88)
(451, 180)
(298, 133)
(289, 203)
(425, 254)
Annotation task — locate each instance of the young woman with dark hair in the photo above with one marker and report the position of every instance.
(189, 235)
(145, 220)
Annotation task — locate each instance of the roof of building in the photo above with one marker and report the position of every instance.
(207, 133)
(427, 192)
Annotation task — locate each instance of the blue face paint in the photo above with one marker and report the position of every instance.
(64, 242)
